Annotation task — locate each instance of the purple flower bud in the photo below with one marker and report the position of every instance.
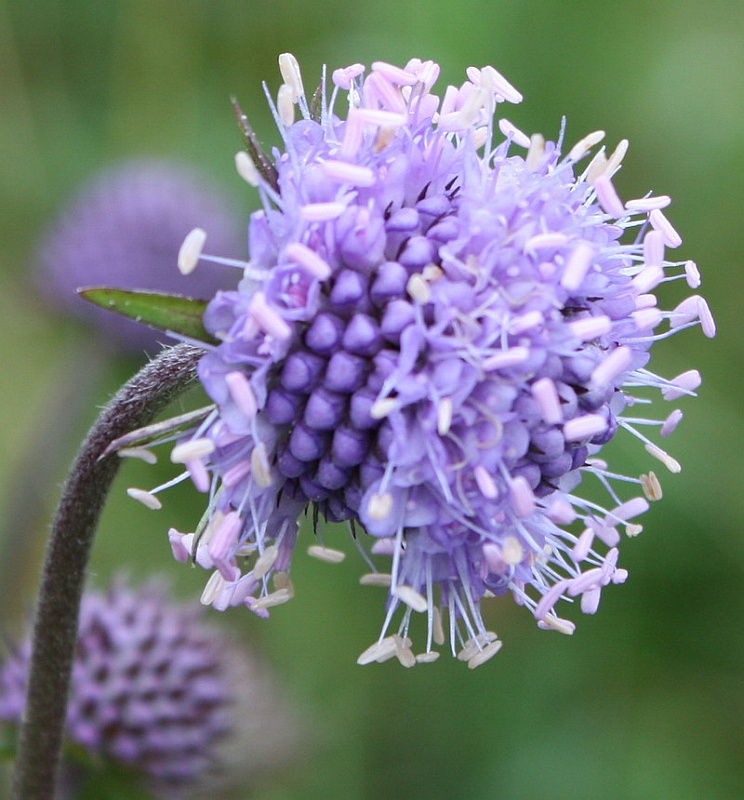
(156, 690)
(124, 229)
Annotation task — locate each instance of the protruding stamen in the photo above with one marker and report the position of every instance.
(395, 74)
(353, 174)
(501, 85)
(522, 498)
(613, 365)
(671, 422)
(418, 288)
(327, 554)
(141, 453)
(146, 498)
(265, 561)
(191, 250)
(684, 384)
(608, 196)
(488, 652)
(277, 598)
(546, 396)
(242, 393)
(535, 152)
(504, 359)
(195, 448)
(285, 105)
(476, 645)
(645, 204)
(584, 427)
(661, 223)
(563, 626)
(653, 249)
(411, 598)
(383, 407)
(291, 75)
(485, 482)
(628, 510)
(444, 416)
(590, 328)
(545, 241)
(268, 318)
(648, 278)
(383, 579)
(303, 256)
(427, 658)
(260, 469)
(583, 146)
(322, 212)
(214, 587)
(651, 486)
(692, 273)
(577, 266)
(247, 169)
(670, 463)
(379, 651)
(616, 159)
(512, 131)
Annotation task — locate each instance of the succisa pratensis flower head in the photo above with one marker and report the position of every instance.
(442, 323)
(157, 691)
(124, 228)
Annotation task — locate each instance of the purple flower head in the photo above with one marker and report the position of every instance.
(124, 229)
(155, 689)
(442, 323)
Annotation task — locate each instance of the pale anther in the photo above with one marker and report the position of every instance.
(327, 554)
(418, 288)
(260, 470)
(276, 598)
(411, 598)
(265, 561)
(583, 146)
(142, 453)
(488, 652)
(651, 486)
(195, 448)
(444, 416)
(247, 169)
(383, 579)
(146, 498)
(291, 75)
(670, 463)
(191, 250)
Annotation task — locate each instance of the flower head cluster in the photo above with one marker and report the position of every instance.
(156, 690)
(442, 322)
(124, 228)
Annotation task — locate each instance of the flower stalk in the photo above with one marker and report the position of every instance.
(73, 529)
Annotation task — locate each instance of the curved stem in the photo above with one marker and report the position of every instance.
(63, 575)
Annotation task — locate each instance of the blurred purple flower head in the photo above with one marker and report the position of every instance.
(442, 323)
(155, 689)
(123, 229)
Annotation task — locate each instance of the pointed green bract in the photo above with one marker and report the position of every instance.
(167, 312)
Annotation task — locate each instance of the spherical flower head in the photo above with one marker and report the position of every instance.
(124, 228)
(442, 323)
(156, 690)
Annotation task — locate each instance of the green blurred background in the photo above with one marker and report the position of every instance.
(647, 699)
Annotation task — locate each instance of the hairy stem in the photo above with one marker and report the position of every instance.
(63, 575)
